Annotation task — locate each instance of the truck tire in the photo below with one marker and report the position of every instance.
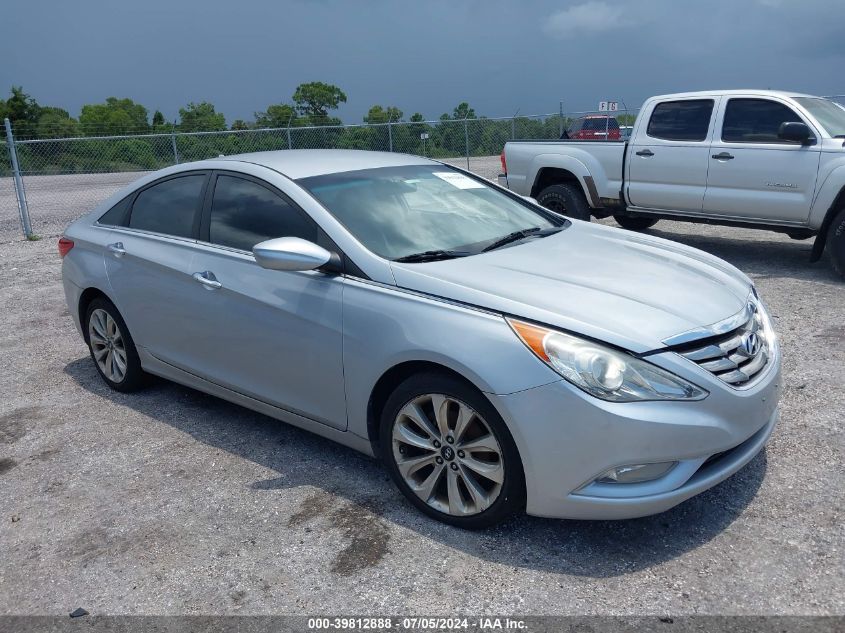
(835, 243)
(635, 223)
(567, 200)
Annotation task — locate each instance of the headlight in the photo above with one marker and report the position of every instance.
(601, 371)
(764, 323)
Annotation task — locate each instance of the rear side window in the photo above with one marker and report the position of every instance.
(168, 207)
(755, 121)
(686, 120)
(116, 216)
(600, 125)
(244, 213)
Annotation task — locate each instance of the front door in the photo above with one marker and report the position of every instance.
(275, 336)
(753, 173)
(667, 161)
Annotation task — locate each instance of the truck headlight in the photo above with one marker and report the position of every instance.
(602, 371)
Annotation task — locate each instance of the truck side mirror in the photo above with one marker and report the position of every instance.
(796, 132)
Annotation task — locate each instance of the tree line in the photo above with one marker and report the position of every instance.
(306, 122)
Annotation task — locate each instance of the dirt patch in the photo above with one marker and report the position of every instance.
(313, 506)
(7, 464)
(13, 424)
(368, 538)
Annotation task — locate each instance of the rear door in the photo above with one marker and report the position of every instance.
(273, 335)
(753, 173)
(668, 156)
(147, 257)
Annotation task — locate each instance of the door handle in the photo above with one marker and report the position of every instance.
(208, 280)
(645, 152)
(723, 156)
(117, 249)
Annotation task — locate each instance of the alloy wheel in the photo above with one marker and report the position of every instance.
(107, 345)
(448, 455)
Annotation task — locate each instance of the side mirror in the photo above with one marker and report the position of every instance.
(291, 253)
(795, 132)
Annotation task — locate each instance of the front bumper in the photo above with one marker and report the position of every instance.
(567, 438)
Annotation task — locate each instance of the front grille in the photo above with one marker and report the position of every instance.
(735, 357)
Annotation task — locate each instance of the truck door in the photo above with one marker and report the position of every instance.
(753, 173)
(668, 156)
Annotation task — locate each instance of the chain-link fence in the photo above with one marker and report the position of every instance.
(66, 177)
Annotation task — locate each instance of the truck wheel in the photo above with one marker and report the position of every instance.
(567, 200)
(635, 223)
(836, 243)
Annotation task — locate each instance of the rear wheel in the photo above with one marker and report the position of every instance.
(635, 223)
(565, 199)
(112, 348)
(450, 453)
(835, 242)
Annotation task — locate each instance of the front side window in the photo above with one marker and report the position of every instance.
(756, 121)
(244, 213)
(397, 212)
(168, 207)
(686, 120)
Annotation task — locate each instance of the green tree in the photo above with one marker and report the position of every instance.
(240, 124)
(276, 115)
(379, 114)
(463, 111)
(158, 119)
(56, 123)
(315, 99)
(115, 116)
(22, 111)
(201, 117)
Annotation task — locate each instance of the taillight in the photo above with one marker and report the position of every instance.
(64, 246)
(504, 162)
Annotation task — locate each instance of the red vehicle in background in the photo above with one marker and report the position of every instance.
(594, 127)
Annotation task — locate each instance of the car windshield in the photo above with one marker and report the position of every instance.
(398, 212)
(830, 115)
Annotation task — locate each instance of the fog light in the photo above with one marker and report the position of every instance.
(635, 473)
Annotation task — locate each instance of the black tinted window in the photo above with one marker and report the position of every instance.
(116, 216)
(245, 213)
(601, 124)
(168, 207)
(681, 120)
(755, 121)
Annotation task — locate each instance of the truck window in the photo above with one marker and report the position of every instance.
(755, 121)
(686, 120)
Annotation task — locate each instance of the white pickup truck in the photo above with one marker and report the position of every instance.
(751, 158)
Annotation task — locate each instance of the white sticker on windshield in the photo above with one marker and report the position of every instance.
(458, 180)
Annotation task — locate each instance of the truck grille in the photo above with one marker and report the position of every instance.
(735, 357)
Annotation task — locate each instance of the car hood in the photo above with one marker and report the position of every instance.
(627, 289)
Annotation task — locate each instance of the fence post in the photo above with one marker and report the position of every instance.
(389, 134)
(466, 139)
(23, 209)
(173, 142)
(560, 122)
(290, 118)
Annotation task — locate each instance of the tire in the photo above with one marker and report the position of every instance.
(835, 243)
(635, 223)
(109, 342)
(445, 474)
(565, 199)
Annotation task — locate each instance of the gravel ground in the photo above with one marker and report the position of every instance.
(173, 502)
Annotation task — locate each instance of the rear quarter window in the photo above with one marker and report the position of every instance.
(169, 207)
(116, 216)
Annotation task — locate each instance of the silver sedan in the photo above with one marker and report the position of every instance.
(498, 357)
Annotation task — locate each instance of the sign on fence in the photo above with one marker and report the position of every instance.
(608, 106)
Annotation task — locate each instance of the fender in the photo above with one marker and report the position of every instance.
(829, 200)
(567, 163)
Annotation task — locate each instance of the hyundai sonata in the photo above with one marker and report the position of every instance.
(498, 357)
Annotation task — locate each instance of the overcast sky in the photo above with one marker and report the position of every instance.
(424, 56)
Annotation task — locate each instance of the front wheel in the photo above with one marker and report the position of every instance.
(565, 199)
(635, 223)
(835, 243)
(450, 453)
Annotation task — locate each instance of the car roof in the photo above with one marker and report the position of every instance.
(723, 93)
(303, 163)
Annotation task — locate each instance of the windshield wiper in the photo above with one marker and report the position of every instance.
(534, 231)
(431, 256)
